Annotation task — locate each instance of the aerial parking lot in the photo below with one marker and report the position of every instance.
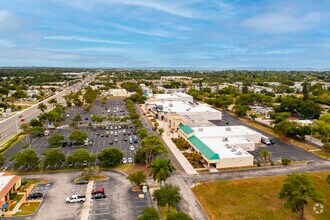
(108, 134)
(120, 202)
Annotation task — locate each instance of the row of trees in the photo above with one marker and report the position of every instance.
(28, 159)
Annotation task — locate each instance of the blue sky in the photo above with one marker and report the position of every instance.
(210, 34)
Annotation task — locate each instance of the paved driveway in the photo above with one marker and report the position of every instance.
(120, 203)
(278, 150)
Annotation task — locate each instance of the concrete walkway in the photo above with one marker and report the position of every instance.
(87, 204)
(180, 157)
(23, 200)
(314, 141)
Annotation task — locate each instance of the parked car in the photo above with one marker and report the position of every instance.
(82, 182)
(75, 198)
(107, 127)
(116, 139)
(98, 196)
(64, 144)
(132, 147)
(130, 160)
(111, 142)
(153, 128)
(69, 143)
(125, 138)
(116, 133)
(35, 196)
(124, 160)
(94, 128)
(97, 190)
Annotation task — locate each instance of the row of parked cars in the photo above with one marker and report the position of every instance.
(97, 193)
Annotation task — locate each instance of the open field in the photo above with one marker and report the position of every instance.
(256, 198)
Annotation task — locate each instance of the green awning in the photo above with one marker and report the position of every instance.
(210, 154)
(185, 128)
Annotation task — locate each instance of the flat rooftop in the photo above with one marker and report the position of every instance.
(180, 106)
(221, 131)
(226, 149)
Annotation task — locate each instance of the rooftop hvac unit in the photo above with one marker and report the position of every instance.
(239, 153)
(228, 146)
(187, 109)
(171, 104)
(200, 129)
(233, 150)
(228, 129)
(224, 139)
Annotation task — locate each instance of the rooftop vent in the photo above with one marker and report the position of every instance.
(233, 150)
(200, 129)
(228, 129)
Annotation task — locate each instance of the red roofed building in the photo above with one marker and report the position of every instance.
(8, 184)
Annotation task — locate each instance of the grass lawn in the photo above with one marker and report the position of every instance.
(28, 208)
(321, 154)
(130, 168)
(256, 198)
(96, 177)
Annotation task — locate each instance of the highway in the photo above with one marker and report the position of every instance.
(10, 126)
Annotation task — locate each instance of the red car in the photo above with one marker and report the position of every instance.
(22, 119)
(97, 190)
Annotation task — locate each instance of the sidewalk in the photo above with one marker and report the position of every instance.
(23, 200)
(315, 141)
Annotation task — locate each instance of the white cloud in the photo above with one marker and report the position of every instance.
(83, 39)
(6, 43)
(169, 7)
(278, 22)
(158, 32)
(4, 15)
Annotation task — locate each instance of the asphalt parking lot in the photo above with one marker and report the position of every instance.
(120, 203)
(40, 145)
(278, 151)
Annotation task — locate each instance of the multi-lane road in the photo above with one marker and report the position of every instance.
(11, 125)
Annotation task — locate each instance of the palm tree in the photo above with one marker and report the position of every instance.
(42, 107)
(161, 169)
(52, 101)
(168, 195)
(264, 154)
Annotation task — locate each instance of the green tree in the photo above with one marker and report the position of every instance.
(73, 125)
(90, 95)
(143, 133)
(161, 169)
(26, 159)
(286, 161)
(97, 118)
(149, 214)
(37, 130)
(137, 178)
(35, 122)
(140, 156)
(110, 156)
(76, 118)
(326, 149)
(264, 154)
(52, 101)
(42, 107)
(305, 90)
(80, 156)
(168, 195)
(156, 124)
(2, 159)
(328, 179)
(54, 157)
(161, 131)
(152, 147)
(55, 140)
(299, 190)
(25, 127)
(240, 110)
(78, 136)
(178, 216)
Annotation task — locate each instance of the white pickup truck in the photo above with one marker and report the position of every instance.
(75, 198)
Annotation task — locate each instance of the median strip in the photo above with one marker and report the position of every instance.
(87, 204)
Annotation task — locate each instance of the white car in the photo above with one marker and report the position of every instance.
(116, 133)
(111, 132)
(124, 160)
(132, 147)
(67, 115)
(130, 160)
